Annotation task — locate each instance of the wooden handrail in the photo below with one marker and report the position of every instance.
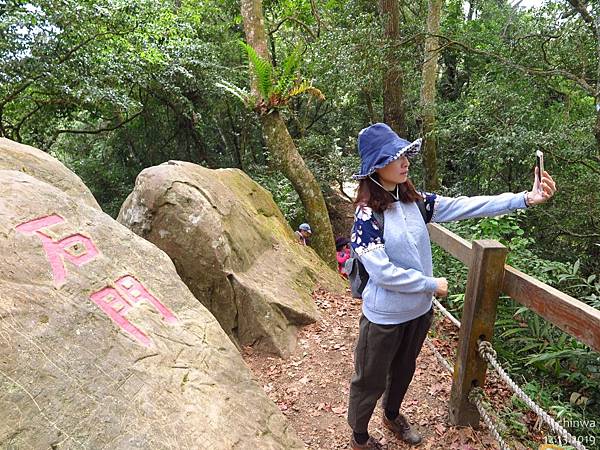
(569, 314)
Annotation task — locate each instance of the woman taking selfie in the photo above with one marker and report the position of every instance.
(397, 300)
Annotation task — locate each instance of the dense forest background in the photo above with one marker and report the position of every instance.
(111, 87)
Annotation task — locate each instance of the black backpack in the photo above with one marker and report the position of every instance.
(357, 274)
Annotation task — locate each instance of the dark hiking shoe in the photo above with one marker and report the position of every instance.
(371, 444)
(402, 429)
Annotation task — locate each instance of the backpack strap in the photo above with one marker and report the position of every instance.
(379, 218)
(426, 204)
(421, 205)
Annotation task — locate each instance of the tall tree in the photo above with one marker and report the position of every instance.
(283, 148)
(593, 22)
(393, 92)
(428, 91)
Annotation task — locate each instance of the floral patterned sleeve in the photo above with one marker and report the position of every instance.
(367, 233)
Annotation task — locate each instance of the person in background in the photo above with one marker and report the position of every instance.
(303, 234)
(342, 250)
(397, 300)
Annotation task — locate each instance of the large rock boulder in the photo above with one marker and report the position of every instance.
(39, 164)
(103, 346)
(232, 247)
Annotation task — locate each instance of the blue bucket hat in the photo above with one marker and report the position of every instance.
(379, 145)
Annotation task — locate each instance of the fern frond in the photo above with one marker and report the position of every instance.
(238, 92)
(298, 89)
(263, 71)
(315, 93)
(305, 87)
(288, 70)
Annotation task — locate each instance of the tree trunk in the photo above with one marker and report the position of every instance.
(371, 117)
(292, 165)
(428, 90)
(283, 149)
(597, 124)
(471, 12)
(393, 106)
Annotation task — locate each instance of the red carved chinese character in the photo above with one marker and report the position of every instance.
(115, 306)
(116, 302)
(136, 292)
(76, 248)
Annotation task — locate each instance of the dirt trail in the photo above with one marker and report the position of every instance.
(311, 387)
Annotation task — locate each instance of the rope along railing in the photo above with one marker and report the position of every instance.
(488, 277)
(443, 361)
(476, 397)
(476, 394)
(447, 313)
(489, 354)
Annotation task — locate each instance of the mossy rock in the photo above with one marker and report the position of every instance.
(233, 248)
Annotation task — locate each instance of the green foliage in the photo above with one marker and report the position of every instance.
(493, 117)
(129, 79)
(109, 187)
(288, 72)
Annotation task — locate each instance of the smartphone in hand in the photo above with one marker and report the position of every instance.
(539, 163)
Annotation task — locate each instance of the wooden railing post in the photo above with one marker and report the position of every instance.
(486, 272)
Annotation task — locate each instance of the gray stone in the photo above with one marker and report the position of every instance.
(233, 248)
(39, 164)
(73, 377)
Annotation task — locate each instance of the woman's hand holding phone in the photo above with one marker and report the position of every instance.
(544, 186)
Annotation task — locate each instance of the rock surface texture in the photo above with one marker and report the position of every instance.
(103, 346)
(233, 248)
(39, 164)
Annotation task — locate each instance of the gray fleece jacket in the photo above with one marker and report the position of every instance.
(398, 260)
